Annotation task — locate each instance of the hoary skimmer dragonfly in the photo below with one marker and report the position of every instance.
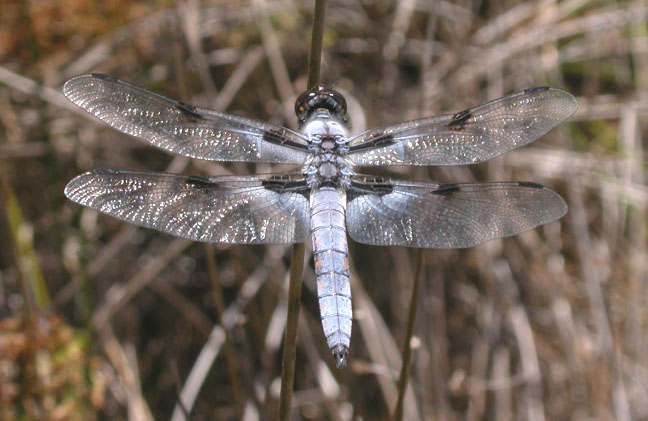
(326, 198)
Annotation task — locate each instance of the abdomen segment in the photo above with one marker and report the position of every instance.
(331, 254)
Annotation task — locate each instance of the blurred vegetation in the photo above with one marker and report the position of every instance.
(46, 371)
(99, 317)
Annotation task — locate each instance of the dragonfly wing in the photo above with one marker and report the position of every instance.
(417, 214)
(181, 128)
(232, 210)
(470, 136)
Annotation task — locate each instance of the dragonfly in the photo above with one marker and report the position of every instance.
(325, 197)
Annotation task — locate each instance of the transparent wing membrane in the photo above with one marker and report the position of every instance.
(232, 210)
(417, 214)
(181, 128)
(470, 136)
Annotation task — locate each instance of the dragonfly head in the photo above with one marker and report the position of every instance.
(310, 103)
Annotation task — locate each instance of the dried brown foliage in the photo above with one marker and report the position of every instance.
(549, 324)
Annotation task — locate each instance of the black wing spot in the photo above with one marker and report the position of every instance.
(375, 186)
(189, 111)
(277, 137)
(103, 171)
(377, 140)
(104, 77)
(537, 89)
(194, 182)
(460, 118)
(281, 185)
(273, 136)
(273, 184)
(446, 190)
(530, 185)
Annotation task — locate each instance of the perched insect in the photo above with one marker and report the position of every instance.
(325, 198)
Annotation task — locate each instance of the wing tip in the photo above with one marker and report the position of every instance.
(71, 86)
(567, 99)
(554, 201)
(559, 204)
(571, 100)
(73, 185)
(563, 206)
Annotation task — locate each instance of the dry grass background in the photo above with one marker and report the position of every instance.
(551, 324)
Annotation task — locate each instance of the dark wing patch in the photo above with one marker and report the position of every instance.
(460, 118)
(536, 89)
(279, 137)
(530, 184)
(190, 112)
(105, 77)
(377, 140)
(365, 184)
(195, 182)
(281, 184)
(446, 190)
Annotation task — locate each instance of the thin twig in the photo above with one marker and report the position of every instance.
(501, 374)
(407, 345)
(211, 349)
(125, 364)
(328, 385)
(315, 56)
(230, 355)
(532, 393)
(297, 259)
(31, 87)
(119, 295)
(272, 47)
(178, 388)
(32, 281)
(290, 341)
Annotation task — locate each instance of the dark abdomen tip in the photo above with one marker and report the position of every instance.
(340, 353)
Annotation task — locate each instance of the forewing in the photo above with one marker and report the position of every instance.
(181, 128)
(390, 213)
(470, 136)
(232, 210)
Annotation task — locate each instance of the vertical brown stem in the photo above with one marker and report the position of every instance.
(407, 345)
(315, 57)
(297, 258)
(230, 355)
(290, 340)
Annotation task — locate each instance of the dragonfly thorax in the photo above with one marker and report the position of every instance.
(325, 128)
(328, 144)
(328, 168)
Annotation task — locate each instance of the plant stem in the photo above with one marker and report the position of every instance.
(290, 340)
(407, 345)
(230, 353)
(315, 57)
(297, 259)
